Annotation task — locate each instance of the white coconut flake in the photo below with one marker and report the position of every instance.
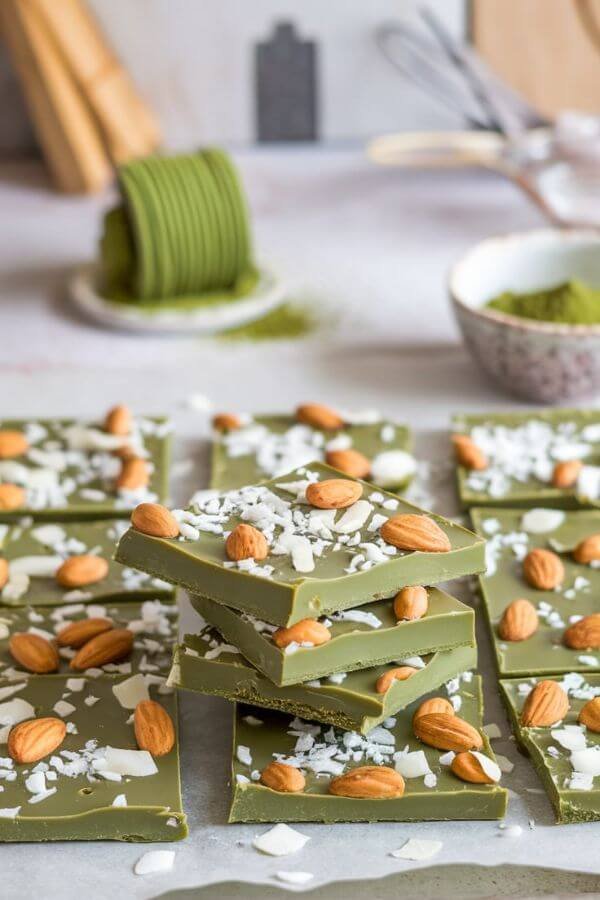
(392, 467)
(541, 521)
(154, 862)
(14, 711)
(417, 849)
(588, 482)
(281, 840)
(491, 769)
(35, 566)
(131, 691)
(294, 877)
(120, 800)
(10, 812)
(569, 738)
(243, 755)
(130, 762)
(586, 761)
(354, 517)
(411, 764)
(357, 615)
(75, 684)
(492, 731)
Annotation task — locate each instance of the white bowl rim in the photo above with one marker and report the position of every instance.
(566, 235)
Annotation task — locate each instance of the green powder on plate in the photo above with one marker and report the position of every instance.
(287, 322)
(570, 303)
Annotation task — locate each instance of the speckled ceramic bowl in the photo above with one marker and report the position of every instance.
(539, 361)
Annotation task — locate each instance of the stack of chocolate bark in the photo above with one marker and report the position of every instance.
(351, 673)
(88, 724)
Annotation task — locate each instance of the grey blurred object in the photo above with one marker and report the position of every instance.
(16, 133)
(286, 87)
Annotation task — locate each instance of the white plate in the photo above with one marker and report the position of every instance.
(266, 295)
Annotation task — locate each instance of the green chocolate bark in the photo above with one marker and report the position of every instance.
(522, 450)
(369, 636)
(68, 797)
(266, 446)
(260, 736)
(70, 469)
(41, 548)
(508, 541)
(320, 561)
(206, 664)
(154, 624)
(561, 751)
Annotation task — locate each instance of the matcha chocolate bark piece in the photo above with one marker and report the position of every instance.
(519, 453)
(317, 560)
(59, 469)
(36, 553)
(96, 785)
(512, 534)
(265, 446)
(153, 623)
(355, 638)
(565, 754)
(205, 663)
(432, 791)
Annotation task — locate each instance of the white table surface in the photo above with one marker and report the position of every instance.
(371, 247)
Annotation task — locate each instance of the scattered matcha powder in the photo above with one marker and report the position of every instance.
(286, 322)
(570, 303)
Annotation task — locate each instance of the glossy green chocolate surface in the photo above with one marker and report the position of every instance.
(448, 798)
(277, 592)
(26, 545)
(70, 468)
(544, 651)
(354, 644)
(82, 807)
(574, 799)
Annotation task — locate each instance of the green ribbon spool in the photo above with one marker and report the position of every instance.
(181, 232)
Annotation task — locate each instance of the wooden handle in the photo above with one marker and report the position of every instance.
(438, 149)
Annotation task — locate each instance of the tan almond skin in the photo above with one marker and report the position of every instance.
(34, 739)
(545, 705)
(589, 715)
(76, 634)
(246, 542)
(3, 571)
(118, 421)
(415, 532)
(12, 444)
(334, 493)
(77, 571)
(400, 673)
(109, 647)
(34, 653)
(350, 462)
(134, 474)
(468, 768)
(282, 778)
(153, 727)
(565, 474)
(519, 621)
(318, 416)
(585, 634)
(445, 732)
(411, 603)
(468, 453)
(306, 630)
(588, 550)
(155, 519)
(226, 422)
(434, 705)
(11, 497)
(368, 783)
(543, 569)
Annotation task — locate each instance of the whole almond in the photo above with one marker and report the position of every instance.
(588, 550)
(519, 621)
(153, 727)
(411, 603)
(246, 542)
(543, 569)
(306, 631)
(30, 741)
(350, 462)
(434, 705)
(34, 652)
(226, 422)
(12, 443)
(77, 571)
(565, 474)
(282, 778)
(109, 647)
(76, 634)
(155, 520)
(11, 497)
(447, 732)
(545, 705)
(468, 768)
(584, 634)
(3, 571)
(400, 673)
(334, 493)
(318, 416)
(468, 454)
(589, 715)
(415, 532)
(118, 421)
(368, 783)
(134, 474)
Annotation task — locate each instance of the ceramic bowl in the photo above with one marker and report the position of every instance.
(538, 361)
